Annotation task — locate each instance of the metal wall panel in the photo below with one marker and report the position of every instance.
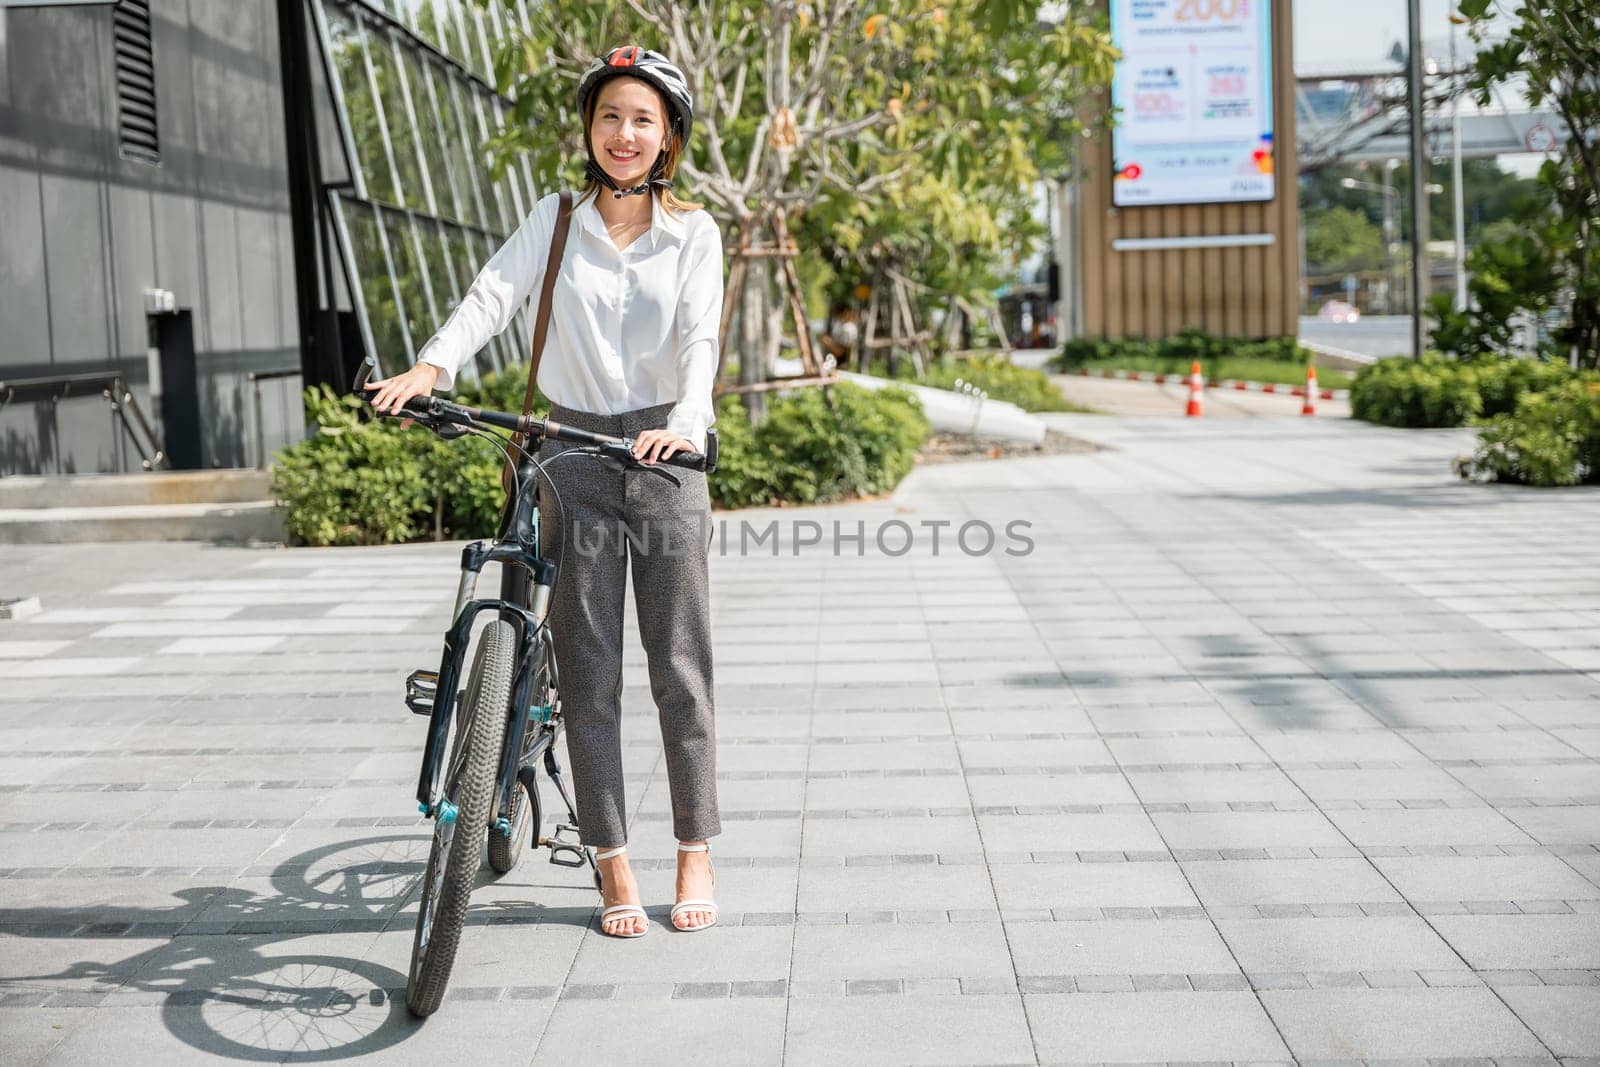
(219, 240)
(88, 231)
(133, 268)
(75, 270)
(259, 268)
(24, 314)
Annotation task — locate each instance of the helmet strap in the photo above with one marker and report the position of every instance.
(594, 170)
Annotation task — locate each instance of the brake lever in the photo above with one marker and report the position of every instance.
(668, 475)
(611, 455)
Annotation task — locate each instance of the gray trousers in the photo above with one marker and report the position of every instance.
(610, 521)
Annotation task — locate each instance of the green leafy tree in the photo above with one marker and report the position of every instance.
(1553, 49)
(1342, 239)
(899, 135)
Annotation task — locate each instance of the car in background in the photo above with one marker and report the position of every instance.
(1339, 311)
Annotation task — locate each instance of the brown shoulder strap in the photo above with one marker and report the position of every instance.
(541, 325)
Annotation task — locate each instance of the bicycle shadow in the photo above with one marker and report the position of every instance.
(235, 975)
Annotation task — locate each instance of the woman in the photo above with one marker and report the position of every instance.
(631, 351)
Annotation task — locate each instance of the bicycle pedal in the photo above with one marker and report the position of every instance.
(559, 848)
(421, 688)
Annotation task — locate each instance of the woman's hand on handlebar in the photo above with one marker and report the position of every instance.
(653, 445)
(392, 393)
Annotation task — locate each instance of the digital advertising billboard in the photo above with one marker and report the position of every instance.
(1193, 93)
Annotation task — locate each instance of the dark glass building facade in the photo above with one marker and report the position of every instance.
(300, 181)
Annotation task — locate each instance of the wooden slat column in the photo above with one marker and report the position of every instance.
(1250, 291)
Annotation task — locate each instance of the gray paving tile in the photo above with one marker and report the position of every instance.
(723, 953)
(1091, 885)
(1486, 878)
(1152, 1027)
(1536, 780)
(1067, 833)
(580, 1030)
(888, 836)
(1246, 830)
(1238, 749)
(1467, 826)
(1014, 789)
(1119, 947)
(1324, 746)
(1372, 1024)
(894, 950)
(1337, 945)
(1567, 1020)
(894, 888)
(1558, 826)
(1508, 942)
(33, 1033)
(1221, 883)
(908, 1029)
(1155, 787)
(1378, 783)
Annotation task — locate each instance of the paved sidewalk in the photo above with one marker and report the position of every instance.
(1279, 746)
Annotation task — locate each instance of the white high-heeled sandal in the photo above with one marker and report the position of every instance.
(696, 905)
(617, 911)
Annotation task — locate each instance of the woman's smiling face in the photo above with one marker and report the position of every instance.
(629, 129)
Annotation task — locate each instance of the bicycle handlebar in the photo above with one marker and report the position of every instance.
(435, 412)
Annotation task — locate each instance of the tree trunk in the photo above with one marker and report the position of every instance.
(772, 324)
(751, 369)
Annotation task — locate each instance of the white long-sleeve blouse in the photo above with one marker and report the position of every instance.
(629, 328)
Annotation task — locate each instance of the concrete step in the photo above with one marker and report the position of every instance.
(246, 521)
(112, 490)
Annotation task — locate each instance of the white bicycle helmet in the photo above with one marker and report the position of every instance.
(634, 62)
(631, 61)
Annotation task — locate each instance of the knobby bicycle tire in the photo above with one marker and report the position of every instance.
(488, 696)
(506, 849)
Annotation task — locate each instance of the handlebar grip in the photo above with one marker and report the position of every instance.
(695, 461)
(417, 405)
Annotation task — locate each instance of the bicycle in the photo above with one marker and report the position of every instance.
(485, 793)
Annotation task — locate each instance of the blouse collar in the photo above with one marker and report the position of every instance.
(663, 224)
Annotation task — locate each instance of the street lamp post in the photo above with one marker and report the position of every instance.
(1419, 196)
(1389, 228)
(1455, 176)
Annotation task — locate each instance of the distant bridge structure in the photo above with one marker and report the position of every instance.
(1356, 113)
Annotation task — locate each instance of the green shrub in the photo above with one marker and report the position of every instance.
(1180, 350)
(816, 447)
(1503, 382)
(1550, 439)
(364, 481)
(1430, 392)
(1029, 389)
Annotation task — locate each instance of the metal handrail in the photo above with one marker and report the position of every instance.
(109, 384)
(255, 378)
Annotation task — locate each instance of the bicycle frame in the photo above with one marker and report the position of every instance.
(526, 583)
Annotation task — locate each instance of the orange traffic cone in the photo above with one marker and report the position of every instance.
(1310, 405)
(1196, 406)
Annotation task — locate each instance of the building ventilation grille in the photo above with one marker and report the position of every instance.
(136, 81)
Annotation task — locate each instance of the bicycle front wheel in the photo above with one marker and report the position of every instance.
(458, 843)
(506, 849)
